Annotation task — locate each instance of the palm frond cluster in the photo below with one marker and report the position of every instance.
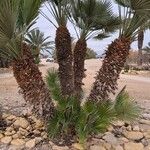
(74, 120)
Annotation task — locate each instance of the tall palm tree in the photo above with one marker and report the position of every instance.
(38, 42)
(57, 8)
(16, 18)
(93, 18)
(135, 15)
(140, 45)
(141, 40)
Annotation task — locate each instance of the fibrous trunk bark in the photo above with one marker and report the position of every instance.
(140, 45)
(31, 84)
(106, 79)
(65, 60)
(79, 58)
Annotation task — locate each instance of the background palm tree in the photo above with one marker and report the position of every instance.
(140, 42)
(93, 18)
(140, 45)
(57, 8)
(16, 18)
(35, 38)
(135, 15)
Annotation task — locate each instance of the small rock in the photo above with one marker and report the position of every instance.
(147, 148)
(37, 132)
(118, 123)
(129, 128)
(38, 140)
(147, 134)
(4, 115)
(59, 148)
(23, 132)
(21, 122)
(143, 121)
(97, 147)
(11, 117)
(1, 135)
(9, 129)
(133, 146)
(13, 147)
(122, 140)
(78, 146)
(18, 142)
(15, 136)
(10, 133)
(118, 147)
(107, 146)
(110, 138)
(6, 139)
(30, 143)
(144, 142)
(38, 124)
(110, 128)
(133, 135)
(136, 128)
(146, 116)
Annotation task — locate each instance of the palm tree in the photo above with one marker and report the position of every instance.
(16, 18)
(35, 38)
(140, 42)
(135, 15)
(140, 45)
(57, 8)
(91, 17)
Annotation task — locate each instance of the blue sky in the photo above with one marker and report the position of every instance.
(96, 45)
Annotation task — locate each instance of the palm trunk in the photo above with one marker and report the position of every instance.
(106, 80)
(140, 45)
(79, 58)
(31, 84)
(64, 58)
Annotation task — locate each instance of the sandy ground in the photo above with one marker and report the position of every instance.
(137, 86)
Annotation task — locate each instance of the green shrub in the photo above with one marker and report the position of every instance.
(81, 122)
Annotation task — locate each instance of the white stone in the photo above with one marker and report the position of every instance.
(97, 147)
(136, 128)
(18, 142)
(133, 135)
(6, 139)
(110, 138)
(146, 116)
(21, 122)
(133, 146)
(30, 143)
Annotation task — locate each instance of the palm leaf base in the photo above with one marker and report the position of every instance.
(64, 58)
(106, 79)
(79, 58)
(31, 84)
